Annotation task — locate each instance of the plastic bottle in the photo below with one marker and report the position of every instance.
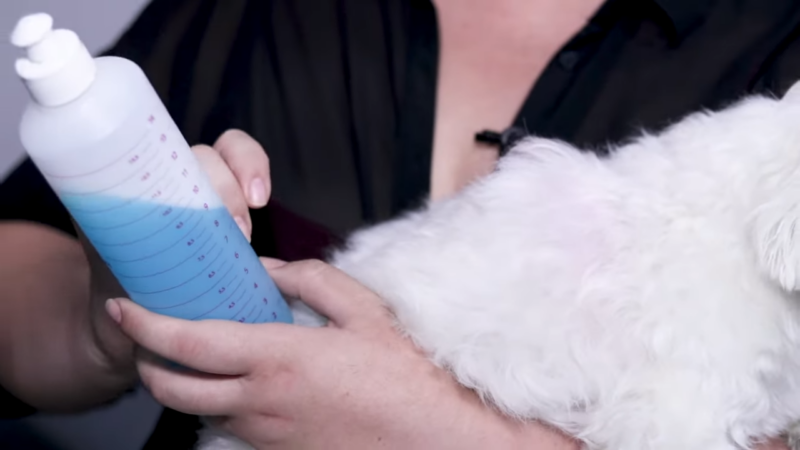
(100, 135)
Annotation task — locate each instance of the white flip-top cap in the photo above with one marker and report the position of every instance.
(58, 68)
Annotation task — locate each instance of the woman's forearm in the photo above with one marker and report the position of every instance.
(506, 433)
(541, 437)
(49, 356)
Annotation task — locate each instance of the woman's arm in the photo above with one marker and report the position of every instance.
(49, 357)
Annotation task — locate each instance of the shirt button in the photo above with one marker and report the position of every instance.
(569, 59)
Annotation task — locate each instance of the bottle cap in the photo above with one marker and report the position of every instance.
(57, 68)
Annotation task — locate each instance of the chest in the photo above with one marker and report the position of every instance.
(489, 62)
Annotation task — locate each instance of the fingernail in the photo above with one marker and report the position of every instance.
(258, 192)
(272, 263)
(113, 310)
(242, 225)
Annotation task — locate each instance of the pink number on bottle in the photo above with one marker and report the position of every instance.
(190, 243)
(174, 155)
(146, 176)
(231, 305)
(221, 290)
(179, 225)
(196, 189)
(211, 275)
(134, 159)
(185, 173)
(246, 270)
(216, 223)
(167, 212)
(163, 138)
(236, 255)
(201, 257)
(255, 285)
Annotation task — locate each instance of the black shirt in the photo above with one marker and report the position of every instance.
(341, 93)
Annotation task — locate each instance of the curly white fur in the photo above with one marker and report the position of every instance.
(644, 301)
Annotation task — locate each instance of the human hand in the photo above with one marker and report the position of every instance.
(355, 383)
(238, 169)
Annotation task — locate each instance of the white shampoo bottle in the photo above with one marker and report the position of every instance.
(106, 144)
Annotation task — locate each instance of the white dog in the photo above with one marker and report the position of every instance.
(644, 301)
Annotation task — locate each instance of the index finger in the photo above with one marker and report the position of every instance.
(330, 292)
(212, 346)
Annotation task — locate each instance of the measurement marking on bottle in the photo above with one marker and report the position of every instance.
(167, 212)
(258, 317)
(161, 308)
(226, 288)
(250, 314)
(167, 248)
(144, 174)
(157, 207)
(156, 184)
(227, 300)
(205, 270)
(245, 305)
(192, 256)
(95, 171)
(238, 300)
(127, 202)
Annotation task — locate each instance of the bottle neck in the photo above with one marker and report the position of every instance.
(59, 69)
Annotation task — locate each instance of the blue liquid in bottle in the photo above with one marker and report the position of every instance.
(183, 262)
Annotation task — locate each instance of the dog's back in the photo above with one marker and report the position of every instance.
(641, 302)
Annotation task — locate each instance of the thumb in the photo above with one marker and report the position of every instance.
(330, 292)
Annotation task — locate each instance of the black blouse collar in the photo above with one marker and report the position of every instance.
(684, 15)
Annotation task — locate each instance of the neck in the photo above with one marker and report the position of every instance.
(503, 12)
(515, 21)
